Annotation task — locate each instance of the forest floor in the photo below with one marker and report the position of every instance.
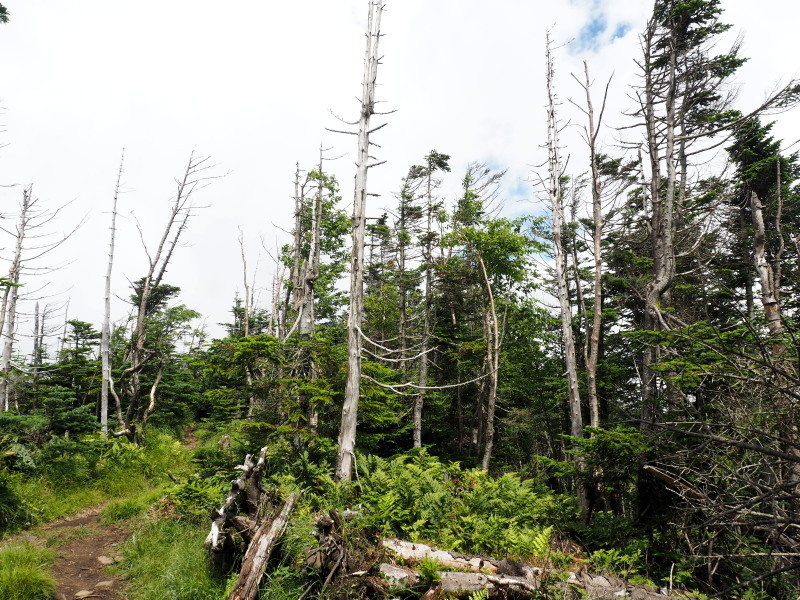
(84, 548)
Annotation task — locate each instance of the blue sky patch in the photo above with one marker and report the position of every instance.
(621, 30)
(597, 32)
(588, 38)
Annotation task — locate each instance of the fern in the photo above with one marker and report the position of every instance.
(540, 544)
(418, 497)
(479, 595)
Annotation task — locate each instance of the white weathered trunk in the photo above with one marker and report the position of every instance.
(246, 316)
(347, 430)
(597, 215)
(10, 300)
(105, 335)
(471, 574)
(556, 203)
(259, 551)
(766, 275)
(493, 363)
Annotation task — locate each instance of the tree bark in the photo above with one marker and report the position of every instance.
(766, 274)
(556, 203)
(9, 308)
(105, 335)
(347, 430)
(597, 215)
(259, 551)
(497, 576)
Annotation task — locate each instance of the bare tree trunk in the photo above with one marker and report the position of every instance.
(10, 301)
(105, 337)
(556, 202)
(247, 308)
(36, 362)
(597, 215)
(493, 364)
(179, 214)
(766, 275)
(151, 406)
(246, 323)
(419, 400)
(347, 430)
(662, 217)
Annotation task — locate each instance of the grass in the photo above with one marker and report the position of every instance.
(166, 559)
(126, 508)
(24, 572)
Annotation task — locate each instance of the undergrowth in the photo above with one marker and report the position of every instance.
(419, 498)
(24, 572)
(166, 559)
(64, 476)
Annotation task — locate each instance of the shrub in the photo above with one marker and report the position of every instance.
(14, 512)
(193, 499)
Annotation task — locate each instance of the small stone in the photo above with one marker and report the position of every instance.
(119, 558)
(84, 594)
(60, 596)
(104, 585)
(105, 560)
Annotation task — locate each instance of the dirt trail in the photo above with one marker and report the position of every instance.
(85, 548)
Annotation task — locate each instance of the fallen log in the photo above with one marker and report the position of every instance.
(497, 576)
(259, 551)
(412, 553)
(248, 481)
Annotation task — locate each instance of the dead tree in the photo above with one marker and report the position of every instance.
(593, 346)
(257, 530)
(8, 313)
(140, 354)
(105, 339)
(260, 550)
(768, 275)
(347, 430)
(505, 578)
(492, 326)
(30, 244)
(555, 196)
(226, 523)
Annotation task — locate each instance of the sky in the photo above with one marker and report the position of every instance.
(253, 85)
